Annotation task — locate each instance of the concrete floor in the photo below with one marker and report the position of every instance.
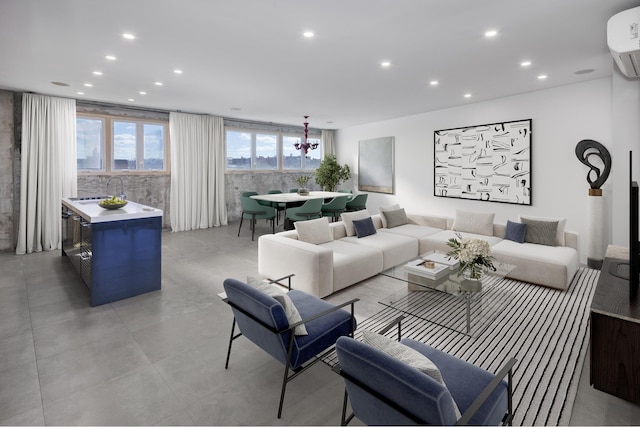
(159, 358)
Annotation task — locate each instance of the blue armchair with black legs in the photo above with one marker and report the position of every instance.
(384, 390)
(268, 319)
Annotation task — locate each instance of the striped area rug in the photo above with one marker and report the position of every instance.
(546, 329)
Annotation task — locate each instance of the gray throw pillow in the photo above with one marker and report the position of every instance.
(540, 232)
(290, 310)
(407, 355)
(396, 218)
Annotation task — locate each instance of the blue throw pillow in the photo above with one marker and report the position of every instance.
(364, 227)
(515, 231)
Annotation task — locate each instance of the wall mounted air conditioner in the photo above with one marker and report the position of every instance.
(623, 41)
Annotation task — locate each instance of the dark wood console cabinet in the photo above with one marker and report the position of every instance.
(615, 337)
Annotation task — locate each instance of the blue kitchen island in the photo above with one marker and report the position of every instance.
(117, 253)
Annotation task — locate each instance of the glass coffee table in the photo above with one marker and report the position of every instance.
(466, 306)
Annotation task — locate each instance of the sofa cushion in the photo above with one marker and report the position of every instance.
(396, 249)
(515, 231)
(473, 222)
(383, 209)
(412, 230)
(438, 241)
(349, 217)
(560, 241)
(552, 266)
(364, 227)
(540, 232)
(290, 310)
(314, 231)
(352, 263)
(396, 218)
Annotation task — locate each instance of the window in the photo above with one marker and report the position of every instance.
(114, 144)
(269, 151)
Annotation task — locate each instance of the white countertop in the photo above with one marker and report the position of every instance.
(93, 213)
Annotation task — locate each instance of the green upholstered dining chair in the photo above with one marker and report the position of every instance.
(335, 207)
(344, 190)
(358, 203)
(293, 190)
(309, 210)
(252, 210)
(280, 206)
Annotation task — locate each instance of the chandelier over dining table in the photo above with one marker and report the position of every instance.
(306, 146)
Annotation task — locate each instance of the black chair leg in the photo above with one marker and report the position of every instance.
(233, 327)
(241, 217)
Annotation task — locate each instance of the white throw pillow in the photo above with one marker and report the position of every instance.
(349, 217)
(562, 222)
(314, 231)
(407, 355)
(473, 222)
(382, 209)
(290, 310)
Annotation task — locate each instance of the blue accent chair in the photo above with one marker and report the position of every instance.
(386, 391)
(262, 320)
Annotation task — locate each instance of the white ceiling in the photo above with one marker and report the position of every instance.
(248, 59)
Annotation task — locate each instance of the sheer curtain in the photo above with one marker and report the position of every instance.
(328, 142)
(48, 172)
(197, 172)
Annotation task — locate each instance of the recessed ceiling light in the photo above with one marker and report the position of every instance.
(542, 76)
(236, 108)
(158, 83)
(329, 121)
(467, 95)
(128, 36)
(433, 83)
(177, 71)
(525, 63)
(97, 73)
(131, 100)
(142, 92)
(585, 71)
(88, 85)
(110, 57)
(308, 34)
(491, 33)
(385, 64)
(60, 84)
(80, 93)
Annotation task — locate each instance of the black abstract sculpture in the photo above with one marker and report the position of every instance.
(587, 148)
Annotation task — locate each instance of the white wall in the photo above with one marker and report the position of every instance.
(561, 118)
(625, 111)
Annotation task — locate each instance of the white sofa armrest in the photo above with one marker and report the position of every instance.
(312, 265)
(571, 240)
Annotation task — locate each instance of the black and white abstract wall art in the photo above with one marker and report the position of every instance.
(489, 162)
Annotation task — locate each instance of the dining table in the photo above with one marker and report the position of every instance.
(297, 199)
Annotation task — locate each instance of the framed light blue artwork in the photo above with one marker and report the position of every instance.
(376, 165)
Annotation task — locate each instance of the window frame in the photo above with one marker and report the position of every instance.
(279, 150)
(108, 144)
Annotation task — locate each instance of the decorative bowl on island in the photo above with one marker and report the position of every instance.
(112, 203)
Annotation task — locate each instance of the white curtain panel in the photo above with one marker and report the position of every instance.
(48, 172)
(328, 142)
(197, 172)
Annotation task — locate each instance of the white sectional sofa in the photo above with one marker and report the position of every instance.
(340, 261)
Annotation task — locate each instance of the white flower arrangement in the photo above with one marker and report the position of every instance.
(474, 256)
